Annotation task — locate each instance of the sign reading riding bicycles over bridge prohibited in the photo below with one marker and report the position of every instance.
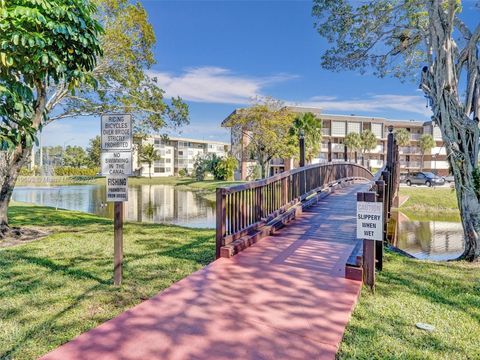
(116, 132)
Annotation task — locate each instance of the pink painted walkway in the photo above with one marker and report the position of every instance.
(283, 298)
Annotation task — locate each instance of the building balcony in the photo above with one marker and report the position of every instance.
(411, 150)
(410, 164)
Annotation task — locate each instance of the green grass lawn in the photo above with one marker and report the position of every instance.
(54, 289)
(430, 203)
(446, 295)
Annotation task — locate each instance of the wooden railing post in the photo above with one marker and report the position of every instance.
(221, 217)
(379, 244)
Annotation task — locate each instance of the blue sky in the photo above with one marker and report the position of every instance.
(218, 55)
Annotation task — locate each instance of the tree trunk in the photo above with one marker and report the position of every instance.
(440, 82)
(10, 165)
(149, 171)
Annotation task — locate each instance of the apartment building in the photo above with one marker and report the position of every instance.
(176, 154)
(334, 130)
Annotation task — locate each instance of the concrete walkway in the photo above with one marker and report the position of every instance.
(283, 298)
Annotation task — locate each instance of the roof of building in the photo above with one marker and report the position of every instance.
(174, 138)
(351, 117)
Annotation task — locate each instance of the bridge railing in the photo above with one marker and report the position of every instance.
(243, 208)
(386, 184)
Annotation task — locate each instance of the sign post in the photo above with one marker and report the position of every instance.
(370, 228)
(116, 159)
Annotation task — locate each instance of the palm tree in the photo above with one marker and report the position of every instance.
(149, 155)
(426, 144)
(403, 137)
(312, 130)
(369, 142)
(353, 142)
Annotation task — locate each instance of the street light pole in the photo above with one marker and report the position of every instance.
(301, 142)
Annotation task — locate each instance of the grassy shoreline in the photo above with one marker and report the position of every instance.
(56, 288)
(430, 203)
(205, 189)
(409, 291)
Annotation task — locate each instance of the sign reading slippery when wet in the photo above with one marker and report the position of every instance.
(370, 220)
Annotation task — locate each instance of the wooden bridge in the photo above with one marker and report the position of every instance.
(287, 296)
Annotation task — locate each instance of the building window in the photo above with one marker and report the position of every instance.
(180, 152)
(168, 151)
(338, 128)
(159, 170)
(168, 160)
(353, 127)
(377, 129)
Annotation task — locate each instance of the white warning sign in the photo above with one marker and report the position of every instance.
(370, 220)
(116, 132)
(116, 163)
(117, 188)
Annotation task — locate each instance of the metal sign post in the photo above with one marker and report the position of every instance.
(370, 227)
(116, 159)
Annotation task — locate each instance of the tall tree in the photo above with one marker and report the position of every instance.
(94, 151)
(426, 144)
(368, 142)
(266, 128)
(52, 67)
(353, 142)
(311, 126)
(402, 136)
(400, 38)
(148, 154)
(75, 156)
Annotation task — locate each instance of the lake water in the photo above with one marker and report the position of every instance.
(430, 240)
(146, 203)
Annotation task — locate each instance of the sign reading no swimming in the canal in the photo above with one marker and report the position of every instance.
(116, 163)
(370, 220)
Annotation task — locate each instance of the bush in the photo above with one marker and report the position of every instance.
(72, 171)
(182, 173)
(225, 168)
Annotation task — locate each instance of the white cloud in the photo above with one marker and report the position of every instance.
(372, 103)
(215, 85)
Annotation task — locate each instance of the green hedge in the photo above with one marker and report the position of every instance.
(69, 171)
(62, 171)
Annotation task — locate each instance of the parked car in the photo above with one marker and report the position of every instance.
(424, 178)
(403, 177)
(449, 178)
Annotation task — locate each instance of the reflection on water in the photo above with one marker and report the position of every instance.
(146, 203)
(431, 240)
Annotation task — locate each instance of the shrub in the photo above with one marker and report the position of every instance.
(225, 168)
(72, 171)
(182, 173)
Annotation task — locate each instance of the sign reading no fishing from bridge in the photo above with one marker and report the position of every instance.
(370, 220)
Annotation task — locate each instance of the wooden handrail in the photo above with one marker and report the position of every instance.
(241, 208)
